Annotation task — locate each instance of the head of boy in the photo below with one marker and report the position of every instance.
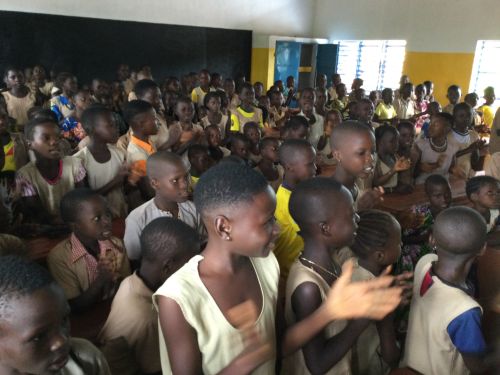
(321, 97)
(259, 89)
(387, 96)
(356, 84)
(471, 99)
(462, 116)
(100, 88)
(407, 90)
(247, 94)
(276, 98)
(264, 102)
(173, 84)
(184, 110)
(39, 73)
(438, 191)
(297, 127)
(149, 91)
(434, 108)
(199, 158)
(212, 102)
(307, 100)
(34, 319)
(169, 176)
(378, 238)
(374, 96)
(290, 82)
(321, 81)
(440, 125)
(333, 118)
(341, 90)
(387, 139)
(141, 117)
(67, 83)
(269, 149)
(13, 78)
(251, 130)
(420, 92)
(483, 192)
(213, 135)
(364, 110)
(429, 86)
(323, 209)
(237, 207)
(82, 99)
(166, 245)
(359, 94)
(298, 158)
(122, 72)
(99, 123)
(489, 95)
(407, 134)
(454, 93)
(240, 146)
(459, 234)
(353, 145)
(204, 79)
(87, 213)
(43, 137)
(229, 86)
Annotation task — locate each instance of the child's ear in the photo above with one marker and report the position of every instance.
(379, 256)
(325, 229)
(473, 197)
(166, 268)
(154, 183)
(336, 155)
(223, 227)
(432, 241)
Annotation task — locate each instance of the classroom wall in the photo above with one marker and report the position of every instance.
(441, 34)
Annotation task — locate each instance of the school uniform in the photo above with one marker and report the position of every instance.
(129, 338)
(84, 359)
(198, 95)
(296, 364)
(382, 169)
(100, 174)
(428, 155)
(385, 112)
(464, 140)
(218, 340)
(439, 331)
(240, 117)
(46, 89)
(488, 115)
(493, 222)
(30, 183)
(75, 269)
(405, 108)
(275, 115)
(16, 153)
(222, 123)
(141, 216)
(316, 126)
(17, 108)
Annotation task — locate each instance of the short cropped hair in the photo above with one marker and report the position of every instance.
(435, 180)
(142, 86)
(245, 85)
(405, 124)
(462, 106)
(61, 78)
(210, 95)
(474, 184)
(92, 114)
(383, 130)
(293, 149)
(346, 128)
(453, 88)
(135, 108)
(196, 149)
(296, 122)
(71, 202)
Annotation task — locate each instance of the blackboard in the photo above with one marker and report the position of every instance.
(90, 47)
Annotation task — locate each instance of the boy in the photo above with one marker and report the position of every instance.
(297, 127)
(277, 113)
(385, 110)
(446, 338)
(298, 160)
(240, 148)
(453, 94)
(316, 122)
(486, 109)
(199, 158)
(91, 263)
(364, 113)
(169, 177)
(129, 337)
(34, 329)
(246, 112)
(340, 102)
(404, 105)
(199, 92)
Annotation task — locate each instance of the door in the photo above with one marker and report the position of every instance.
(287, 60)
(326, 60)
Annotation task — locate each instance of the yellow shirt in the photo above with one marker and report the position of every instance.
(239, 118)
(385, 112)
(289, 244)
(9, 164)
(488, 115)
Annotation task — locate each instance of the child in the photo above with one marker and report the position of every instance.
(429, 91)
(404, 105)
(169, 177)
(191, 133)
(129, 338)
(436, 154)
(433, 109)
(484, 193)
(246, 112)
(199, 158)
(90, 264)
(388, 164)
(385, 110)
(364, 113)
(377, 245)
(104, 163)
(71, 127)
(18, 97)
(340, 102)
(446, 338)
(297, 127)
(316, 121)
(325, 156)
(353, 146)
(268, 166)
(34, 325)
(453, 94)
(486, 109)
(251, 130)
(240, 147)
(421, 105)
(43, 182)
(321, 98)
(471, 99)
(407, 135)
(278, 114)
(215, 150)
(298, 160)
(199, 92)
(212, 103)
(259, 90)
(62, 105)
(232, 98)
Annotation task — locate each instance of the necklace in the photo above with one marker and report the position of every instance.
(310, 262)
(466, 133)
(441, 148)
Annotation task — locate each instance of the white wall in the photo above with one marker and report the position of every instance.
(427, 25)
(277, 17)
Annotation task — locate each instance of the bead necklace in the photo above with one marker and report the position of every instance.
(441, 148)
(310, 262)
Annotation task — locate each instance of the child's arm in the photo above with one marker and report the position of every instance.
(401, 164)
(174, 135)
(388, 344)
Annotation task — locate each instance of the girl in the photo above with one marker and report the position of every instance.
(246, 112)
(38, 82)
(233, 100)
(105, 163)
(268, 164)
(388, 163)
(212, 103)
(62, 105)
(436, 154)
(406, 139)
(71, 127)
(213, 136)
(18, 97)
(191, 133)
(420, 105)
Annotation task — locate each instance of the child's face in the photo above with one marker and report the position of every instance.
(94, 219)
(229, 87)
(253, 134)
(420, 92)
(299, 133)
(434, 108)
(488, 196)
(35, 336)
(429, 88)
(259, 90)
(439, 197)
(341, 90)
(321, 97)
(304, 167)
(389, 143)
(38, 73)
(82, 101)
(213, 137)
(343, 220)
(100, 88)
(290, 82)
(173, 185)
(14, 78)
(463, 118)
(270, 151)
(454, 96)
(307, 100)
(472, 100)
(364, 111)
(200, 162)
(213, 104)
(105, 129)
(439, 127)
(70, 86)
(204, 79)
(388, 97)
(356, 154)
(277, 99)
(153, 96)
(247, 96)
(240, 148)
(407, 91)
(45, 142)
(149, 124)
(185, 112)
(333, 119)
(406, 138)
(174, 85)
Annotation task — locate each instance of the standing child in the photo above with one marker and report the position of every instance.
(34, 325)
(268, 165)
(486, 109)
(18, 97)
(385, 112)
(71, 127)
(484, 193)
(421, 105)
(213, 136)
(453, 94)
(61, 104)
(43, 182)
(404, 104)
(199, 158)
(199, 92)
(341, 101)
(252, 131)
(316, 121)
(191, 133)
(297, 127)
(90, 264)
(246, 112)
(240, 147)
(212, 103)
(325, 156)
(104, 162)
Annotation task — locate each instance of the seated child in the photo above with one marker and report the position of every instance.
(377, 245)
(240, 147)
(18, 97)
(199, 158)
(129, 338)
(296, 127)
(237, 206)
(389, 164)
(252, 131)
(34, 325)
(246, 112)
(268, 165)
(333, 118)
(61, 104)
(71, 127)
(436, 154)
(453, 94)
(213, 136)
(90, 264)
(43, 182)
(191, 133)
(212, 103)
(169, 177)
(444, 332)
(298, 160)
(104, 162)
(405, 105)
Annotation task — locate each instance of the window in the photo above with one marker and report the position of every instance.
(378, 62)
(486, 69)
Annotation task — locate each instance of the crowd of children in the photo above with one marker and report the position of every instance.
(254, 240)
